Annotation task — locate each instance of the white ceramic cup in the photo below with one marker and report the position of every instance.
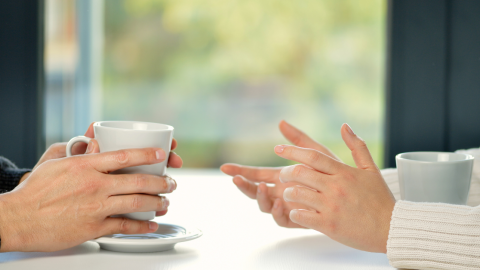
(434, 176)
(117, 135)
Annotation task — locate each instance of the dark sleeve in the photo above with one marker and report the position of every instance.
(10, 175)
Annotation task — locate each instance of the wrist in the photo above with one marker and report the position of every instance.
(386, 227)
(6, 234)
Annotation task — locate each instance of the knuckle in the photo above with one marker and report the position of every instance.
(124, 225)
(313, 156)
(331, 227)
(90, 186)
(150, 155)
(348, 176)
(297, 139)
(339, 191)
(121, 157)
(361, 143)
(140, 181)
(95, 207)
(298, 171)
(334, 208)
(137, 202)
(77, 165)
(295, 193)
(165, 184)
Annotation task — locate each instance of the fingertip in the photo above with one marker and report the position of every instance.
(175, 161)
(262, 188)
(174, 144)
(237, 180)
(279, 148)
(347, 136)
(277, 206)
(277, 213)
(90, 132)
(224, 167)
(161, 213)
(227, 168)
(92, 147)
(349, 129)
(152, 226)
(294, 215)
(287, 194)
(160, 155)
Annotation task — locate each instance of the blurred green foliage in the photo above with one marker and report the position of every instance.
(224, 73)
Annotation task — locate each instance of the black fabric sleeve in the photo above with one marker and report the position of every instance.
(10, 175)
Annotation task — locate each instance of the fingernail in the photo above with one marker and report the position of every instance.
(172, 185)
(293, 214)
(279, 148)
(165, 203)
(284, 172)
(160, 154)
(287, 194)
(151, 225)
(259, 191)
(349, 129)
(89, 148)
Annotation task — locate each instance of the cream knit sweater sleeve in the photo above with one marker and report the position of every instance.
(435, 235)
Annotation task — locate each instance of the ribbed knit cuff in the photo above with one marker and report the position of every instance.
(434, 236)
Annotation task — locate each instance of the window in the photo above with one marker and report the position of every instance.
(223, 73)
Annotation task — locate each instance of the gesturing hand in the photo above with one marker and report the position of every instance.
(350, 205)
(251, 180)
(67, 201)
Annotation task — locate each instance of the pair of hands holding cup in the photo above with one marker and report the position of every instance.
(76, 197)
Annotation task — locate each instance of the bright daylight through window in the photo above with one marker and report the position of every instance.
(223, 73)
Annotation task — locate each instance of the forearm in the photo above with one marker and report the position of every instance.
(434, 236)
(5, 220)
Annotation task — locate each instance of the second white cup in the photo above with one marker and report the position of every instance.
(434, 176)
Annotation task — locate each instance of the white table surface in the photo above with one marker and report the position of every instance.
(236, 236)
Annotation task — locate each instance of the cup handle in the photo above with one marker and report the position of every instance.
(73, 141)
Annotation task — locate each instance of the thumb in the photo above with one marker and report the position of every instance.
(92, 147)
(89, 133)
(360, 153)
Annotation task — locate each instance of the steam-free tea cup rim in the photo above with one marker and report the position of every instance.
(402, 157)
(165, 127)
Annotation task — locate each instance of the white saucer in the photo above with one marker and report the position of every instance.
(165, 238)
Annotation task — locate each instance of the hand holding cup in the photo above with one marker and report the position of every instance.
(117, 135)
(78, 200)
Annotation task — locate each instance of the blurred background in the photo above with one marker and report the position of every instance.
(223, 73)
